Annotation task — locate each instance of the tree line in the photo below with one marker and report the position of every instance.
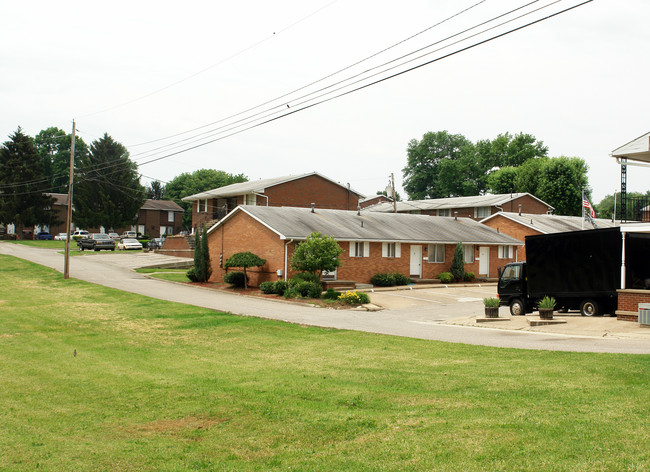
(449, 165)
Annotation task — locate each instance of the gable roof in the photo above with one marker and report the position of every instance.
(637, 150)
(343, 225)
(256, 186)
(454, 202)
(547, 224)
(165, 205)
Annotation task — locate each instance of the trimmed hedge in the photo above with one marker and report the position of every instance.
(236, 279)
(390, 279)
(446, 277)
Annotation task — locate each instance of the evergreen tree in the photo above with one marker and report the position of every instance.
(205, 254)
(458, 264)
(202, 270)
(107, 188)
(53, 145)
(23, 184)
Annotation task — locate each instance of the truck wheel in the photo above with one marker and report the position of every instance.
(589, 308)
(517, 308)
(95, 248)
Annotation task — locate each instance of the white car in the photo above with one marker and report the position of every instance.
(114, 236)
(128, 243)
(61, 237)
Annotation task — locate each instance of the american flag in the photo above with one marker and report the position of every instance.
(587, 205)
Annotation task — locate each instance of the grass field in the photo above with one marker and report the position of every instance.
(173, 275)
(162, 386)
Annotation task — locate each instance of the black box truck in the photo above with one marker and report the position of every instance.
(580, 269)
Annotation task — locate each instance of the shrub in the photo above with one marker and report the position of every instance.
(280, 287)
(191, 274)
(244, 260)
(331, 294)
(401, 279)
(352, 297)
(446, 277)
(236, 279)
(469, 277)
(458, 264)
(383, 280)
(267, 287)
(491, 302)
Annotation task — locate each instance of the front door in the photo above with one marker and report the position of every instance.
(484, 260)
(416, 261)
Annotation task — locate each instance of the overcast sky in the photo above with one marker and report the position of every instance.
(146, 70)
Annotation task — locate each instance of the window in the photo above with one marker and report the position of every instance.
(511, 273)
(170, 216)
(444, 212)
(359, 249)
(203, 205)
(482, 212)
(436, 253)
(250, 199)
(468, 249)
(390, 250)
(505, 252)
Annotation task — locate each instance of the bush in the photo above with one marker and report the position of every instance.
(383, 280)
(267, 287)
(458, 264)
(401, 279)
(304, 277)
(280, 287)
(491, 302)
(306, 289)
(236, 279)
(354, 298)
(191, 274)
(331, 294)
(446, 277)
(469, 277)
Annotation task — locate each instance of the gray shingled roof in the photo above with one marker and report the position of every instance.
(253, 186)
(342, 225)
(547, 224)
(451, 202)
(165, 205)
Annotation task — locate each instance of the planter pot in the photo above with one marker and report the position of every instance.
(492, 312)
(546, 313)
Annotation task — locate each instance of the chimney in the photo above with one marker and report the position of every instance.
(313, 207)
(520, 209)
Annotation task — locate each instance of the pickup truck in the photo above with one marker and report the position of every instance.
(96, 242)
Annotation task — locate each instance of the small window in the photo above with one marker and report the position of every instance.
(359, 249)
(482, 212)
(203, 205)
(505, 252)
(436, 253)
(443, 212)
(468, 249)
(250, 199)
(170, 216)
(390, 250)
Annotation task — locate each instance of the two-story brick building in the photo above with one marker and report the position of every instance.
(294, 190)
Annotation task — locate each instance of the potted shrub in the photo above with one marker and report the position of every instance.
(546, 307)
(491, 307)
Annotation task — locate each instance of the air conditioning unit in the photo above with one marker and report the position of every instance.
(644, 314)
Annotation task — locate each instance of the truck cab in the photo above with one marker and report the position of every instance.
(513, 289)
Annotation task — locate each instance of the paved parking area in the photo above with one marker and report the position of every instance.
(450, 298)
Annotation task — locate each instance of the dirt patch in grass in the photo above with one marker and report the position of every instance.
(184, 424)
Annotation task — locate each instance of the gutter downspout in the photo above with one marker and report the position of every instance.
(262, 195)
(286, 258)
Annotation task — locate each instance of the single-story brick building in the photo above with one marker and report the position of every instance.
(414, 245)
(520, 225)
(293, 190)
(479, 206)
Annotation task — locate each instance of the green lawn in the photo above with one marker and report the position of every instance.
(173, 275)
(159, 386)
(45, 244)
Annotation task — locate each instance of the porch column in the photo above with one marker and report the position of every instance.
(623, 259)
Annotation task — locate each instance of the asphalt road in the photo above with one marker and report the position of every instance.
(417, 321)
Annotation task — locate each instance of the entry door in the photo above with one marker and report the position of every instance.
(484, 260)
(416, 261)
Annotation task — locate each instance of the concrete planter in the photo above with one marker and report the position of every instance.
(546, 313)
(492, 312)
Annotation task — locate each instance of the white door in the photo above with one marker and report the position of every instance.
(484, 260)
(416, 261)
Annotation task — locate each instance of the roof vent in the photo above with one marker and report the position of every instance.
(520, 209)
(456, 215)
(359, 210)
(313, 207)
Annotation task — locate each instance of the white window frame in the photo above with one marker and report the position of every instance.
(170, 216)
(250, 199)
(391, 250)
(202, 203)
(141, 229)
(468, 253)
(359, 249)
(432, 252)
(505, 252)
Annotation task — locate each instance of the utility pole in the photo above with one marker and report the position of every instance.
(66, 265)
(392, 185)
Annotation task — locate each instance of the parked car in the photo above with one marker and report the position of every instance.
(129, 243)
(129, 235)
(80, 233)
(61, 237)
(43, 236)
(114, 236)
(96, 242)
(155, 243)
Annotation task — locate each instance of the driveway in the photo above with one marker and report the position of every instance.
(422, 321)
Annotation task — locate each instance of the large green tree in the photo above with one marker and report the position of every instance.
(53, 145)
(23, 184)
(202, 180)
(156, 190)
(317, 253)
(107, 190)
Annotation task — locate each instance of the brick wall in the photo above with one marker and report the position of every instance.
(528, 205)
(514, 229)
(628, 301)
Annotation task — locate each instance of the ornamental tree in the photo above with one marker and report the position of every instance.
(458, 264)
(244, 260)
(317, 253)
